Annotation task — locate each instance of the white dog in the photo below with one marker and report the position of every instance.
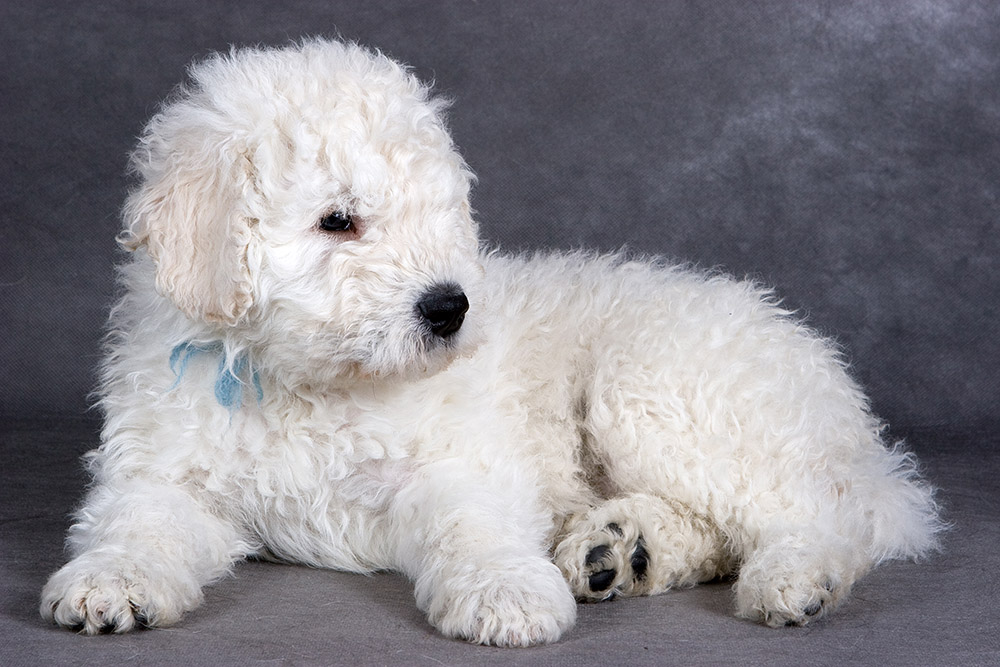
(313, 362)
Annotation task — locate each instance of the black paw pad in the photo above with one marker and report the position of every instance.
(601, 581)
(640, 559)
(596, 554)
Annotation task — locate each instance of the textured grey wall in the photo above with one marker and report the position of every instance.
(846, 153)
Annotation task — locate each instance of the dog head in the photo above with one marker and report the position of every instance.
(309, 202)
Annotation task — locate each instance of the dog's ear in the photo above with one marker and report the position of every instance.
(189, 214)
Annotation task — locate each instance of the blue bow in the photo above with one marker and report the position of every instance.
(228, 385)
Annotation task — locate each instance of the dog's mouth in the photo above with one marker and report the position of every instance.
(430, 347)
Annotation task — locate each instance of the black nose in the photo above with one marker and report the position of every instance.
(443, 308)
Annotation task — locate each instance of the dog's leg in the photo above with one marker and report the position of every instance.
(638, 545)
(142, 553)
(473, 545)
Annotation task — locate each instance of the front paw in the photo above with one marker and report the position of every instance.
(506, 602)
(99, 593)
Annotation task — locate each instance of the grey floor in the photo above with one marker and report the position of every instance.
(846, 153)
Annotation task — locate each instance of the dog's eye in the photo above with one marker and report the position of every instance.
(338, 221)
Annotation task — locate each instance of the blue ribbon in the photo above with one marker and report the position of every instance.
(228, 384)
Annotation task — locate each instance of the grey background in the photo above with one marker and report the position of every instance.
(846, 153)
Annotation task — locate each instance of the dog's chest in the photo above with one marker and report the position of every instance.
(313, 486)
(302, 450)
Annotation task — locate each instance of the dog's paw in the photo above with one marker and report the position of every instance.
(605, 561)
(782, 585)
(508, 602)
(102, 595)
(788, 602)
(639, 545)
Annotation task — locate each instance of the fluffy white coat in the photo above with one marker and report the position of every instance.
(596, 427)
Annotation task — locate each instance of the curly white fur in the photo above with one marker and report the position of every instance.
(597, 426)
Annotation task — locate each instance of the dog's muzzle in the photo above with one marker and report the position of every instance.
(443, 309)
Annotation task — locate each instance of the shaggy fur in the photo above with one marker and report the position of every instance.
(279, 386)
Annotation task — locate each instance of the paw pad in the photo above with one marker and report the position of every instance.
(813, 609)
(601, 581)
(639, 559)
(596, 554)
(613, 566)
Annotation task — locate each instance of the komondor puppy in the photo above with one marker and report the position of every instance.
(313, 361)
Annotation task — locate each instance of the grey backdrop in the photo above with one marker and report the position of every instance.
(847, 153)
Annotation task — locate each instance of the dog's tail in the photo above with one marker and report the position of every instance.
(905, 517)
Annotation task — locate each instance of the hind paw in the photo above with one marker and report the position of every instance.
(603, 563)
